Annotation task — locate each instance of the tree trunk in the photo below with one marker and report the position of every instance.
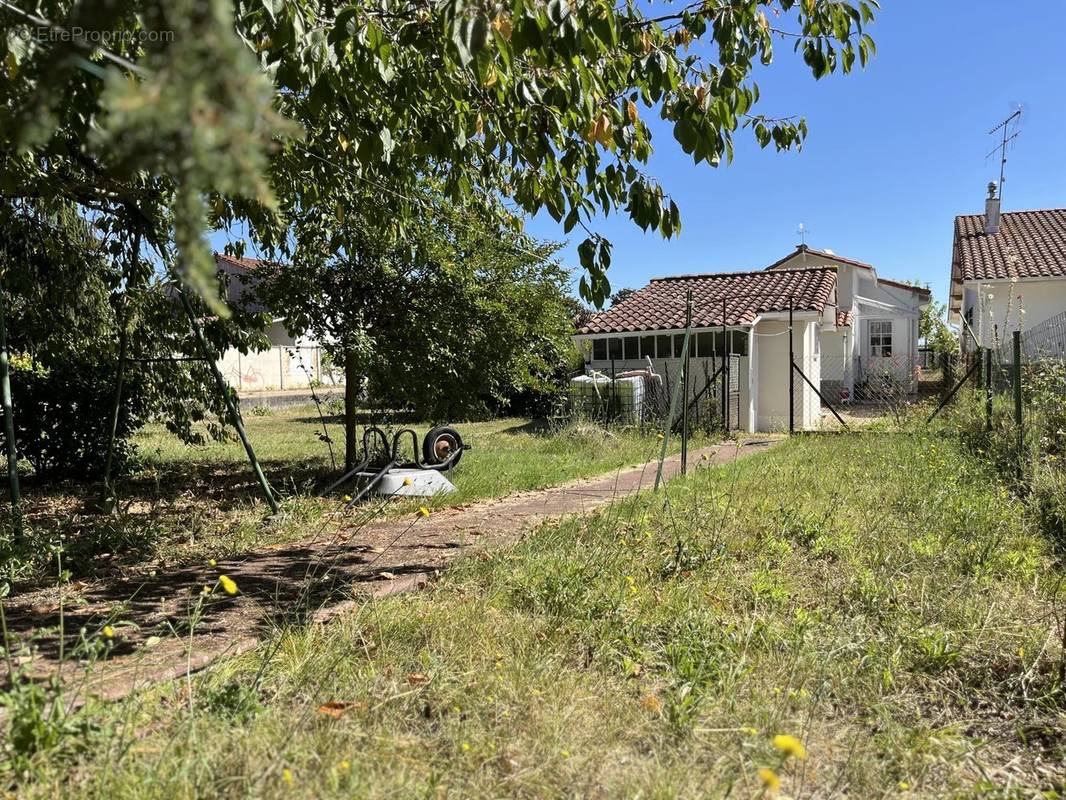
(351, 389)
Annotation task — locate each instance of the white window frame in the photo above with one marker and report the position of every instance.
(876, 332)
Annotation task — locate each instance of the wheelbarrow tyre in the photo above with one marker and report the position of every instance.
(439, 444)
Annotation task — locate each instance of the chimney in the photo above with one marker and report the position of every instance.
(992, 210)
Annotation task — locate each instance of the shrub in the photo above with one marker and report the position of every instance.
(63, 417)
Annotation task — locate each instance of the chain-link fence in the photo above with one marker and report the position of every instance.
(863, 389)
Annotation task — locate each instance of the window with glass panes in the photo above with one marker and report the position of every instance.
(880, 338)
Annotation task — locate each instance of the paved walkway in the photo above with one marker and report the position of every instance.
(311, 580)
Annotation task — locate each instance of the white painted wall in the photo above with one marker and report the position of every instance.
(996, 318)
(289, 363)
(772, 341)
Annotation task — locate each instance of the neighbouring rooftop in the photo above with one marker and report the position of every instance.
(1028, 244)
(729, 298)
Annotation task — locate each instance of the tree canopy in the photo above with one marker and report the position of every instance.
(184, 114)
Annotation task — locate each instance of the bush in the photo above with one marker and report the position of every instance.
(63, 417)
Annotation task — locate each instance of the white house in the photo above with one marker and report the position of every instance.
(843, 317)
(289, 362)
(878, 330)
(1008, 273)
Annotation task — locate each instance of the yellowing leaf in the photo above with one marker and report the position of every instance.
(502, 26)
(343, 142)
(652, 703)
(338, 708)
(631, 111)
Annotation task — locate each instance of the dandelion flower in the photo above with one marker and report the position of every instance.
(212, 563)
(904, 786)
(770, 781)
(229, 586)
(407, 481)
(344, 766)
(286, 777)
(108, 632)
(423, 511)
(466, 747)
(790, 746)
(347, 498)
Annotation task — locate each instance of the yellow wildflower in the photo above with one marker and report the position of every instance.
(212, 563)
(347, 498)
(466, 747)
(228, 584)
(344, 766)
(108, 632)
(423, 511)
(407, 481)
(770, 782)
(790, 746)
(205, 591)
(286, 777)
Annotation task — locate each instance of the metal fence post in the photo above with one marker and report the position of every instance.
(988, 388)
(725, 373)
(611, 397)
(791, 369)
(673, 408)
(231, 406)
(684, 366)
(9, 430)
(1018, 399)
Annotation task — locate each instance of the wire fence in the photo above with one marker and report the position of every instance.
(629, 395)
(861, 389)
(1014, 409)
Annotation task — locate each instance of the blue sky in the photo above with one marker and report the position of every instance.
(894, 152)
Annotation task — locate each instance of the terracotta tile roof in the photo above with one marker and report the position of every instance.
(240, 264)
(660, 305)
(1029, 244)
(845, 319)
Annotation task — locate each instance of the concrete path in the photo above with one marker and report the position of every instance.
(346, 563)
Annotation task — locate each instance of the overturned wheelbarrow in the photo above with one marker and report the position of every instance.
(385, 471)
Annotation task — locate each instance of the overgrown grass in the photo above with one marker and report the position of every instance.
(187, 504)
(883, 599)
(1031, 460)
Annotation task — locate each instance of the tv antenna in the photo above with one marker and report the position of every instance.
(1008, 135)
(803, 230)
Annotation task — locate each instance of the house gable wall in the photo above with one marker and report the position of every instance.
(995, 319)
